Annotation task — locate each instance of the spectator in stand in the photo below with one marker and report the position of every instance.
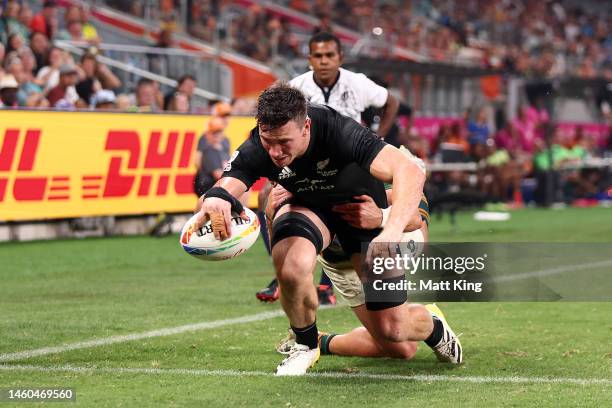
(27, 58)
(186, 86)
(478, 129)
(145, 96)
(2, 55)
(211, 156)
(90, 33)
(325, 25)
(179, 102)
(39, 44)
(64, 94)
(103, 100)
(29, 93)
(95, 70)
(46, 21)
(8, 92)
(123, 103)
(222, 110)
(15, 42)
(48, 76)
(25, 19)
(10, 22)
(73, 32)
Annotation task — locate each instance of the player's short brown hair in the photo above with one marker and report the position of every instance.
(279, 104)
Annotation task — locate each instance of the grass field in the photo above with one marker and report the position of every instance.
(65, 293)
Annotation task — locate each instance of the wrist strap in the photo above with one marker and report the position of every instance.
(220, 192)
(385, 216)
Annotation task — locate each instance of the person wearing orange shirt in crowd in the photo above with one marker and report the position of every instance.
(46, 21)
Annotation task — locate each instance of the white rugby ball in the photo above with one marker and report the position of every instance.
(202, 243)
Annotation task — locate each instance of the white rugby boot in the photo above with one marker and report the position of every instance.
(299, 360)
(449, 348)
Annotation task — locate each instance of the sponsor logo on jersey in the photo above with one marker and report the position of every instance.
(322, 164)
(321, 171)
(285, 173)
(307, 184)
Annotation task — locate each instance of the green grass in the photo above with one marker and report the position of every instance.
(59, 292)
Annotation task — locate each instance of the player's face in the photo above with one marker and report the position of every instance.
(286, 143)
(325, 60)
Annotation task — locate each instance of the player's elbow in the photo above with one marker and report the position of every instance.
(411, 170)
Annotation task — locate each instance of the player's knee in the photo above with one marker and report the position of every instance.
(292, 271)
(294, 224)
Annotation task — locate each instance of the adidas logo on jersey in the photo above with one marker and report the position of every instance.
(285, 173)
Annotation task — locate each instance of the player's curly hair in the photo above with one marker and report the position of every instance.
(279, 104)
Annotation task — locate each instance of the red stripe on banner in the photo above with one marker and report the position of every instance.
(28, 154)
(145, 186)
(162, 186)
(58, 198)
(7, 153)
(29, 189)
(88, 196)
(3, 183)
(60, 178)
(92, 178)
(91, 187)
(187, 149)
(59, 188)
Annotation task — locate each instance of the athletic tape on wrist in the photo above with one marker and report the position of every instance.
(220, 192)
(385, 216)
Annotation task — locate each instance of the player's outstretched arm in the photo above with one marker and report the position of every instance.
(218, 204)
(390, 165)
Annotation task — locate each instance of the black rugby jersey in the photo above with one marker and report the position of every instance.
(334, 168)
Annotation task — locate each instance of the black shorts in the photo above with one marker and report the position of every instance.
(350, 238)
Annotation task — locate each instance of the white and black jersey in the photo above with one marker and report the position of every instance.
(334, 169)
(351, 94)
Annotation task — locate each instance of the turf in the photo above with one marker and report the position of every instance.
(59, 292)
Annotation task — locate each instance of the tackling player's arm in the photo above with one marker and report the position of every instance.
(365, 214)
(389, 112)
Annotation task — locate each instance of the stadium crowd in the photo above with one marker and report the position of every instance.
(533, 38)
(544, 38)
(36, 74)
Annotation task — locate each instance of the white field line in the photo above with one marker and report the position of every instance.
(237, 373)
(21, 355)
(553, 271)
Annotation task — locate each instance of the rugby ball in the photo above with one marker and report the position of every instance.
(202, 243)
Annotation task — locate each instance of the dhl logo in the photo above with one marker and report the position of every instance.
(25, 186)
(122, 176)
(137, 165)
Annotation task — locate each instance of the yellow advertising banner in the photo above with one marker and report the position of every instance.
(77, 164)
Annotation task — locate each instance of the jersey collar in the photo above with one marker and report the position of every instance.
(327, 93)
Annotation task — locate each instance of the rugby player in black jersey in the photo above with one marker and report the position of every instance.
(323, 159)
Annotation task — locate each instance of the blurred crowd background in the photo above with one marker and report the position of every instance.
(547, 41)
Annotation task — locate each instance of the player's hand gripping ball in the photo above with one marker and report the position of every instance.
(203, 245)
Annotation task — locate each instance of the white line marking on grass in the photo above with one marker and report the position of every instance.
(239, 373)
(553, 271)
(22, 355)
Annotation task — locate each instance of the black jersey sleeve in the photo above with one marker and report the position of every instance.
(246, 163)
(357, 143)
